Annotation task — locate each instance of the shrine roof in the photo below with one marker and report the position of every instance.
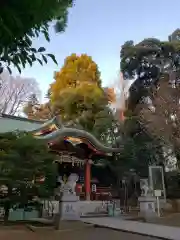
(53, 131)
(24, 119)
(81, 151)
(10, 123)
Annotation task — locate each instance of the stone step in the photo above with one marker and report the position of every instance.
(63, 226)
(90, 215)
(41, 221)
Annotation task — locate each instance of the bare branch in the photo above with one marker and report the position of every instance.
(15, 92)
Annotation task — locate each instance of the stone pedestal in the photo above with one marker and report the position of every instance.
(70, 207)
(147, 206)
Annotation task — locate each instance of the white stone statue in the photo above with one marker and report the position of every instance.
(145, 190)
(69, 187)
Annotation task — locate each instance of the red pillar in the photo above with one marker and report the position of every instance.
(121, 115)
(88, 179)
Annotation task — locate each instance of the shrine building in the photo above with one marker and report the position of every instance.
(75, 151)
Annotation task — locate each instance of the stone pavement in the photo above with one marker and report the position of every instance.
(83, 234)
(148, 229)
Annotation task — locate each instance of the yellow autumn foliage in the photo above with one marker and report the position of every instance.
(72, 102)
(110, 95)
(77, 71)
(40, 112)
(76, 93)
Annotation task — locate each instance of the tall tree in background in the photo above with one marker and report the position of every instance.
(24, 20)
(140, 148)
(15, 92)
(147, 61)
(154, 96)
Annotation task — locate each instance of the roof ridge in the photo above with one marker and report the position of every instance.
(3, 115)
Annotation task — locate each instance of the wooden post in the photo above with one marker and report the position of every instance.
(87, 179)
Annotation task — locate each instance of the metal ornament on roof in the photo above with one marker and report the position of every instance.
(62, 131)
(69, 159)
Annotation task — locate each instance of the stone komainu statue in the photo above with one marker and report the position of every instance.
(69, 186)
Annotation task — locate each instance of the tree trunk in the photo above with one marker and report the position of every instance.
(7, 204)
(6, 209)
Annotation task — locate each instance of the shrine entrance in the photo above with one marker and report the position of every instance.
(73, 148)
(68, 164)
(89, 186)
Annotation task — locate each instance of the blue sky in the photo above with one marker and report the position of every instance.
(100, 27)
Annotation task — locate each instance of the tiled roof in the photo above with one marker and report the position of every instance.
(20, 118)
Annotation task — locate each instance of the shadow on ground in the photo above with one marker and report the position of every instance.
(85, 233)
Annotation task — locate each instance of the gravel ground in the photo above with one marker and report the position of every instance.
(83, 234)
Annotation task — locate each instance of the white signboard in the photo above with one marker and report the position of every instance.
(94, 188)
(156, 176)
(157, 193)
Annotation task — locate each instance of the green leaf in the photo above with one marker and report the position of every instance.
(31, 33)
(10, 71)
(28, 40)
(29, 61)
(16, 59)
(1, 70)
(44, 58)
(19, 31)
(46, 35)
(18, 67)
(36, 33)
(33, 57)
(23, 61)
(59, 26)
(33, 50)
(39, 60)
(41, 49)
(52, 57)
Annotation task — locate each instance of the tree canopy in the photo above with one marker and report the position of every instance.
(77, 72)
(154, 95)
(77, 94)
(23, 20)
(78, 97)
(140, 148)
(147, 61)
(151, 52)
(23, 160)
(26, 169)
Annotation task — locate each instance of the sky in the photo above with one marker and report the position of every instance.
(99, 28)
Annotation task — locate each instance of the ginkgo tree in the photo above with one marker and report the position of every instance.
(77, 70)
(78, 97)
(77, 93)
